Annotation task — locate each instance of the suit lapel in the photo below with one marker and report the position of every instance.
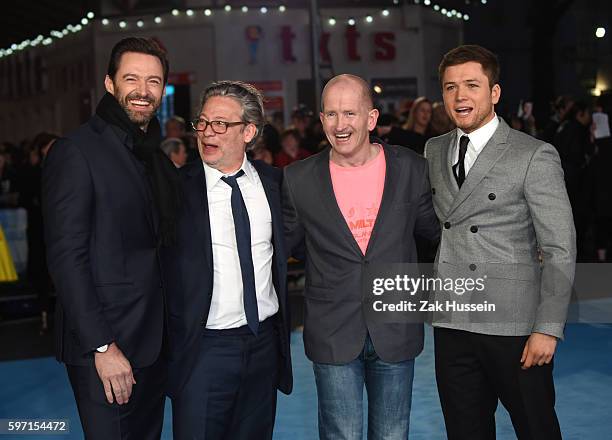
(272, 194)
(196, 198)
(490, 154)
(391, 173)
(446, 165)
(329, 201)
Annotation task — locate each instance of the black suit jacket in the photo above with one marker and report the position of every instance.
(102, 247)
(188, 275)
(336, 319)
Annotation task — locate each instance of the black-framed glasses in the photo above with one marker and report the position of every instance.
(219, 127)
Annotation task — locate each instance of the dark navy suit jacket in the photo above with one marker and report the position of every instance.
(100, 231)
(188, 275)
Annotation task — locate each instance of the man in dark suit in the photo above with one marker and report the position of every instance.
(102, 247)
(356, 205)
(227, 297)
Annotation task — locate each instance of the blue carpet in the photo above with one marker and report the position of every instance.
(39, 388)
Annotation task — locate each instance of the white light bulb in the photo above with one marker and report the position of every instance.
(436, 8)
(189, 12)
(105, 22)
(157, 19)
(245, 9)
(351, 22)
(84, 21)
(122, 24)
(140, 23)
(264, 10)
(466, 17)
(385, 12)
(369, 19)
(207, 12)
(90, 15)
(332, 21)
(227, 8)
(175, 12)
(282, 8)
(600, 32)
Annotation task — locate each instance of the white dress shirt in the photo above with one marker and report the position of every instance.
(227, 307)
(478, 140)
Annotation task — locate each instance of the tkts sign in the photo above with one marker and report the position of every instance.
(384, 44)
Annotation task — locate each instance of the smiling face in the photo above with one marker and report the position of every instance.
(224, 152)
(468, 97)
(347, 119)
(138, 86)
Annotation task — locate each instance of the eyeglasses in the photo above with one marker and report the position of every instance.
(219, 127)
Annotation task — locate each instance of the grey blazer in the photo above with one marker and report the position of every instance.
(336, 318)
(511, 211)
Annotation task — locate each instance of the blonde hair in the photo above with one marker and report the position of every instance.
(409, 125)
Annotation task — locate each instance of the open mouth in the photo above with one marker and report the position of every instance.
(342, 137)
(140, 104)
(463, 111)
(210, 148)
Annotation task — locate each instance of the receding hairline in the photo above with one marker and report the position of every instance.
(348, 78)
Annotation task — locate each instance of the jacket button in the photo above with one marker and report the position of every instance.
(472, 266)
(447, 225)
(433, 191)
(492, 196)
(474, 229)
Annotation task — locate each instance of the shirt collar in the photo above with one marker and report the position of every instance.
(213, 175)
(480, 137)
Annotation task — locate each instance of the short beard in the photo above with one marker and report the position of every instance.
(139, 118)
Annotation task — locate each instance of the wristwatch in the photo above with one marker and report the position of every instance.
(102, 349)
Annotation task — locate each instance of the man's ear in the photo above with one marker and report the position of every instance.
(249, 132)
(109, 85)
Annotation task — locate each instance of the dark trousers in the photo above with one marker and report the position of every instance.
(139, 419)
(231, 393)
(474, 370)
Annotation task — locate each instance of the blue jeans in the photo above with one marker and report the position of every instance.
(340, 395)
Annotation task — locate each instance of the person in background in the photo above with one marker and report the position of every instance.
(440, 122)
(176, 128)
(573, 142)
(561, 108)
(291, 150)
(30, 183)
(175, 149)
(417, 124)
(596, 193)
(261, 152)
(388, 131)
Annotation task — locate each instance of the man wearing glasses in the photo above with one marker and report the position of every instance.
(228, 323)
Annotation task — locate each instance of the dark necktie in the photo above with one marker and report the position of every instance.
(243, 242)
(460, 165)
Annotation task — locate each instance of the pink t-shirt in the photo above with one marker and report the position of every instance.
(358, 192)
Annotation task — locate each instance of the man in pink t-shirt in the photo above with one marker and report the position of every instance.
(356, 205)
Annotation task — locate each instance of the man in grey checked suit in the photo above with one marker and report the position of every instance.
(507, 220)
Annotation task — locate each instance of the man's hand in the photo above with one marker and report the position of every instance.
(115, 373)
(539, 350)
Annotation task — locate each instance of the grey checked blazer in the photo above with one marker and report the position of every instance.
(512, 207)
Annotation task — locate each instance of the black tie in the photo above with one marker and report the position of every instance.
(460, 166)
(243, 242)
